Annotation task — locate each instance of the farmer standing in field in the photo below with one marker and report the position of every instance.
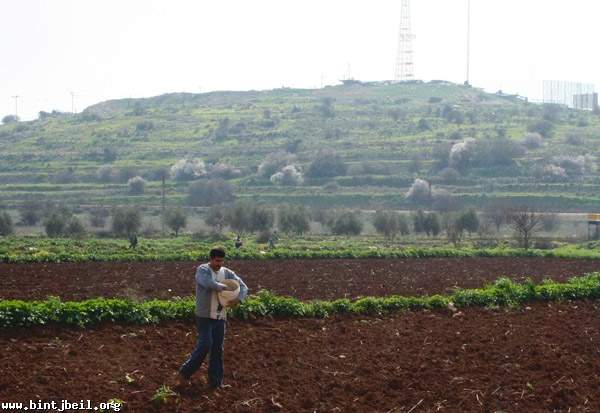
(211, 317)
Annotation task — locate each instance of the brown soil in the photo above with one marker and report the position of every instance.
(303, 279)
(542, 358)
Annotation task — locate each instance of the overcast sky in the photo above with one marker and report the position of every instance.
(108, 49)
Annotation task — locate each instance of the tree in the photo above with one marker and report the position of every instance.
(261, 219)
(239, 217)
(126, 222)
(98, 217)
(326, 164)
(188, 169)
(55, 225)
(288, 176)
(419, 192)
(431, 224)
(176, 219)
(274, 162)
(136, 185)
(387, 223)
(326, 108)
(468, 221)
(419, 221)
(347, 223)
(10, 119)
(525, 222)
(495, 212)
(30, 213)
(293, 219)
(210, 192)
(6, 224)
(74, 228)
(216, 217)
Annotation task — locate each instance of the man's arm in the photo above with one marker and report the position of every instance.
(243, 286)
(205, 279)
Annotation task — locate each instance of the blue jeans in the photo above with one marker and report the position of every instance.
(211, 334)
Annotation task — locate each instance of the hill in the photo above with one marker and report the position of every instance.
(381, 135)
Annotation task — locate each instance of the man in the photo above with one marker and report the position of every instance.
(210, 318)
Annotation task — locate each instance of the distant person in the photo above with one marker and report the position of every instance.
(238, 242)
(210, 318)
(271, 242)
(133, 241)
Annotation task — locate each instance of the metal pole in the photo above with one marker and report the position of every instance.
(468, 39)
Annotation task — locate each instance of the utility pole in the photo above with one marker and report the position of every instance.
(16, 98)
(468, 41)
(405, 69)
(162, 209)
(72, 102)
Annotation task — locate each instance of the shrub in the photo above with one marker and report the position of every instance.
(136, 185)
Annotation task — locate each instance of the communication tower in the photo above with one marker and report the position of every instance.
(405, 68)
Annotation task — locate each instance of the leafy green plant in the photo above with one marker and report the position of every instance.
(163, 394)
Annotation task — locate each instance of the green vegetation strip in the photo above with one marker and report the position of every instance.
(31, 250)
(504, 292)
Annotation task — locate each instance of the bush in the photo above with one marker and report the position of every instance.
(6, 224)
(326, 109)
(136, 185)
(326, 164)
(188, 169)
(210, 192)
(543, 127)
(98, 217)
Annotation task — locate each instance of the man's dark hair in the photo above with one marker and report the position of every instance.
(217, 252)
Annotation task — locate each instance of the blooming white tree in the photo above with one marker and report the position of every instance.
(288, 176)
(419, 191)
(188, 169)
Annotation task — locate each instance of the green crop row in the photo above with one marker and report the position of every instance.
(504, 292)
(31, 249)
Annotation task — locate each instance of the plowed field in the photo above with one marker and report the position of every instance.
(541, 358)
(303, 279)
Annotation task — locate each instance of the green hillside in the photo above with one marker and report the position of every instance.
(386, 135)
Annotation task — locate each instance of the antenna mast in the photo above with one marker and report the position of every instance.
(405, 69)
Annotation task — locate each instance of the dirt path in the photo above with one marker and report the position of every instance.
(543, 358)
(303, 279)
